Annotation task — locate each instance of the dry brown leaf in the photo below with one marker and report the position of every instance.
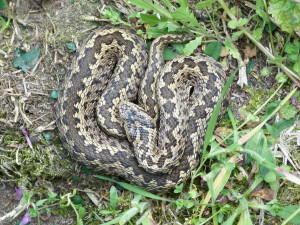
(249, 52)
(224, 52)
(265, 193)
(223, 131)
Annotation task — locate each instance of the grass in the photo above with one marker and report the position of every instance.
(238, 172)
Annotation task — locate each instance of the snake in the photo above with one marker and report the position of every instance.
(123, 110)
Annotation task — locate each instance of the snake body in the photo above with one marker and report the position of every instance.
(126, 113)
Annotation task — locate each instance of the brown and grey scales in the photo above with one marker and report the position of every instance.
(156, 144)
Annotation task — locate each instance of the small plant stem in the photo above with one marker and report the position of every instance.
(269, 27)
(214, 211)
(292, 75)
(226, 9)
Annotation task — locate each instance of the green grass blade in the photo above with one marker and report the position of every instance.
(234, 125)
(134, 189)
(213, 120)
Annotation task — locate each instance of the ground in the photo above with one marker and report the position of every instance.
(26, 100)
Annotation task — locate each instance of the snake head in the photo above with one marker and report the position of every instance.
(136, 120)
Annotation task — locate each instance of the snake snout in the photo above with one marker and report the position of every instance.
(131, 113)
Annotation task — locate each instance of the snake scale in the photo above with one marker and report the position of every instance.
(124, 112)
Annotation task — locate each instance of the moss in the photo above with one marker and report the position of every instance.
(44, 161)
(289, 195)
(257, 98)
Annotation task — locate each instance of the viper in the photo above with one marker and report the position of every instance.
(123, 110)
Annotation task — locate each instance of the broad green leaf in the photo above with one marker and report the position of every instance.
(134, 189)
(192, 45)
(231, 219)
(81, 212)
(279, 126)
(173, 27)
(188, 203)
(265, 71)
(296, 67)
(257, 33)
(288, 111)
(2, 4)
(183, 3)
(193, 194)
(242, 22)
(143, 4)
(258, 144)
(213, 49)
(237, 23)
(270, 177)
(179, 47)
(184, 15)
(106, 212)
(273, 130)
(237, 34)
(154, 32)
(263, 15)
(145, 219)
(40, 202)
(260, 3)
(114, 221)
(286, 14)
(28, 60)
(77, 200)
(277, 59)
(293, 50)
(232, 49)
(135, 201)
(168, 4)
(113, 197)
(128, 215)
(143, 206)
(113, 16)
(269, 110)
(245, 218)
(287, 211)
(204, 4)
(149, 5)
(169, 54)
(178, 189)
(215, 192)
(179, 203)
(281, 77)
(152, 20)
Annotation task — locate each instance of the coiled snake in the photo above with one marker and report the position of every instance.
(156, 143)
